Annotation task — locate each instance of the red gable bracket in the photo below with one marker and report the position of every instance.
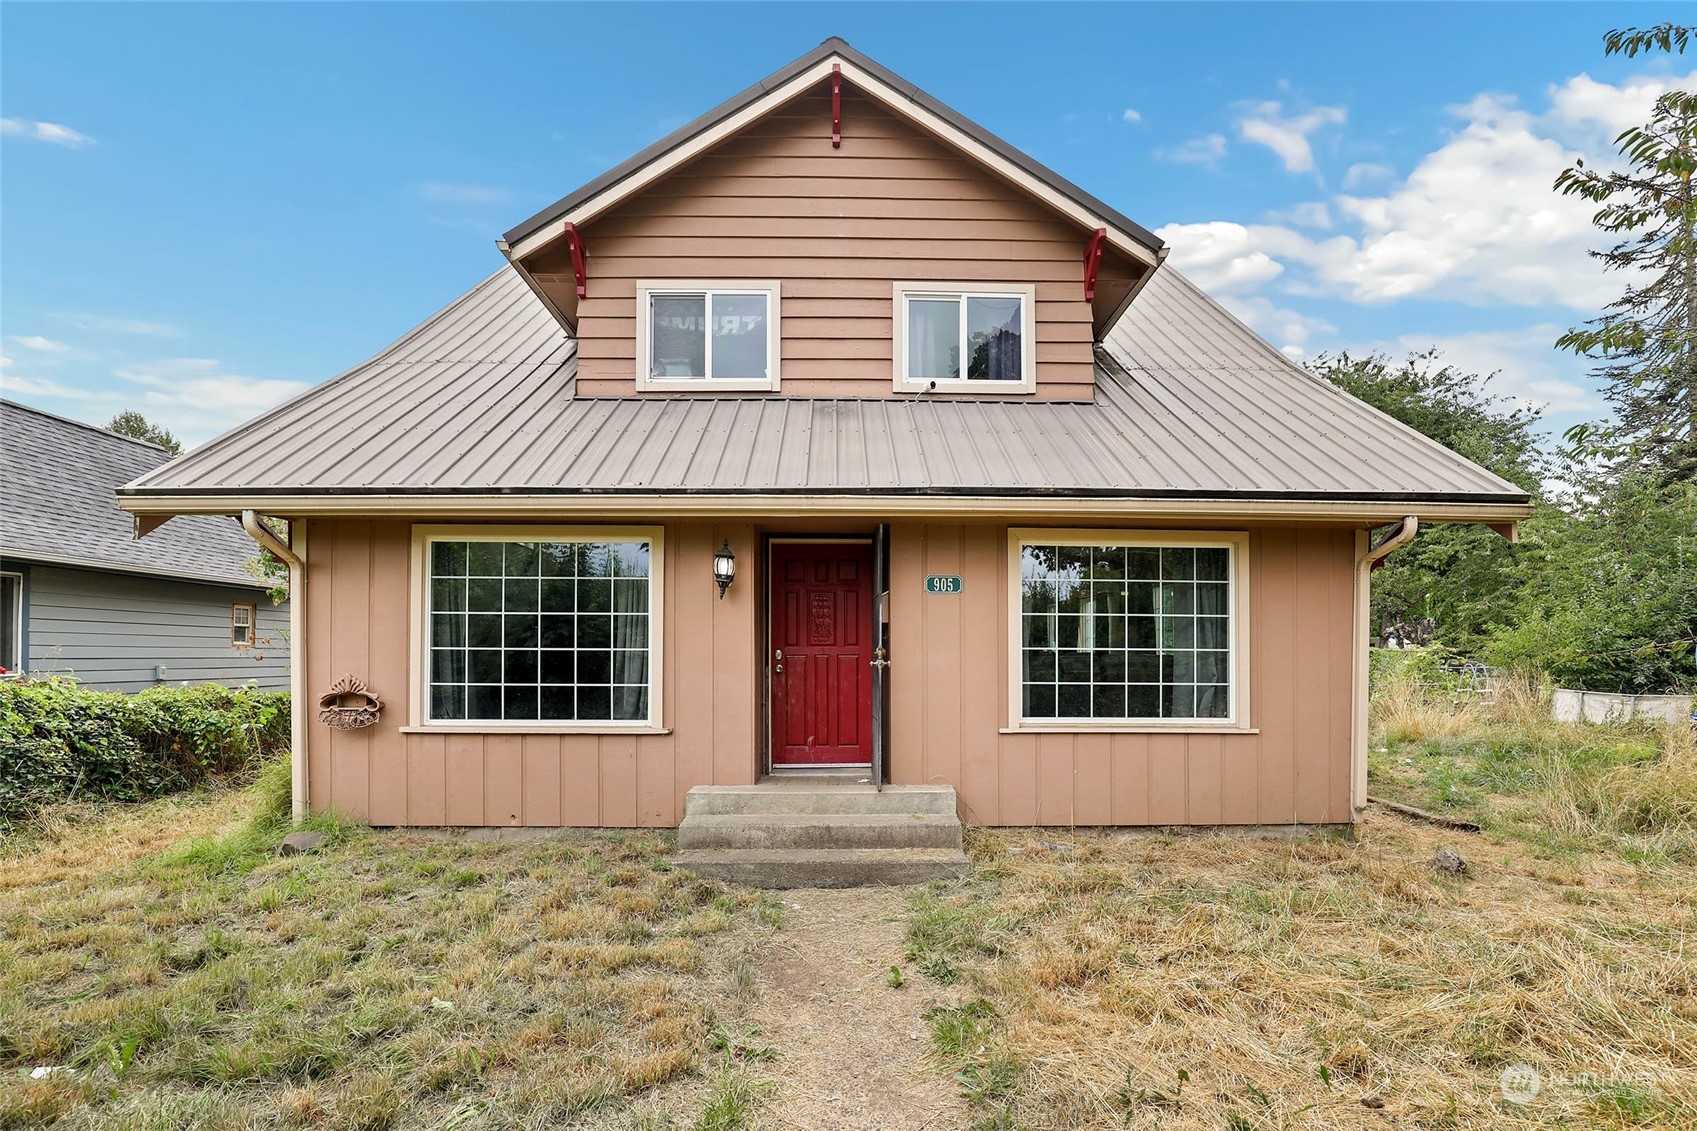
(836, 106)
(574, 241)
(1093, 260)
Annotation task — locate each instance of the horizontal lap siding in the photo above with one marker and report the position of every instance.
(950, 671)
(111, 631)
(837, 228)
(359, 622)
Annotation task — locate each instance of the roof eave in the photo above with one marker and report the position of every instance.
(990, 502)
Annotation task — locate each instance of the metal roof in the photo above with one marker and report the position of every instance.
(480, 400)
(839, 48)
(56, 505)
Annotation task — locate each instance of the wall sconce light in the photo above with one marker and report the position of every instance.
(724, 567)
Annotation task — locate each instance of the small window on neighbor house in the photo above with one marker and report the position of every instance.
(965, 338)
(11, 622)
(241, 626)
(721, 336)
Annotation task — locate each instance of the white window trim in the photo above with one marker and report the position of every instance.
(1027, 331)
(418, 720)
(645, 342)
(252, 625)
(1237, 717)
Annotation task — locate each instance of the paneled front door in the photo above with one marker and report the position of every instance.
(821, 654)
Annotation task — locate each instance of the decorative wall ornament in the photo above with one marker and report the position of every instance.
(348, 705)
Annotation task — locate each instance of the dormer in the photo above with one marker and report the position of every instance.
(834, 232)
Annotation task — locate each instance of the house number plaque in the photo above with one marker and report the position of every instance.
(942, 583)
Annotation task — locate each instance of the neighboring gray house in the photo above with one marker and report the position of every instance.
(80, 596)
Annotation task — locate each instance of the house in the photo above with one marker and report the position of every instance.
(831, 434)
(80, 597)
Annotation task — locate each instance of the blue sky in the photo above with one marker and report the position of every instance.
(209, 207)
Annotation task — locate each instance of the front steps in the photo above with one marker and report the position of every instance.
(821, 832)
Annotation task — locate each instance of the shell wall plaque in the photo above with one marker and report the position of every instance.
(348, 705)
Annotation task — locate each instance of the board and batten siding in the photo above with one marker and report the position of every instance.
(949, 699)
(838, 228)
(949, 669)
(359, 621)
(111, 631)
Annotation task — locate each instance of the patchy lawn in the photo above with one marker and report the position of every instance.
(1204, 981)
(1078, 979)
(191, 979)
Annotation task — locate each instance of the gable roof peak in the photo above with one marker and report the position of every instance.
(790, 80)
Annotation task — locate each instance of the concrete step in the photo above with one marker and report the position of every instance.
(825, 868)
(819, 830)
(804, 795)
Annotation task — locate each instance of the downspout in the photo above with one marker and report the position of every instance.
(258, 531)
(1367, 556)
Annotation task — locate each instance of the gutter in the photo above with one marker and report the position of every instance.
(258, 531)
(1367, 558)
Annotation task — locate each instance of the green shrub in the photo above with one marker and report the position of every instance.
(60, 740)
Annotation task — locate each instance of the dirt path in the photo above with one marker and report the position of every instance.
(850, 1047)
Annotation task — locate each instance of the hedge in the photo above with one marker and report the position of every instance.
(59, 740)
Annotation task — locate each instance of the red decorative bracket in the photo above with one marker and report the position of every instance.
(1093, 260)
(574, 240)
(836, 105)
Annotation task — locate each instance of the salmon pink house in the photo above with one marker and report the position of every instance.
(830, 435)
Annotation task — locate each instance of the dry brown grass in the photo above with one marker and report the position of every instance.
(1292, 981)
(393, 981)
(1213, 981)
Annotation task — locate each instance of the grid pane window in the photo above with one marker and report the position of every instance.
(1125, 633)
(539, 631)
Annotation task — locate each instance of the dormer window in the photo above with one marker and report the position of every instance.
(699, 337)
(972, 338)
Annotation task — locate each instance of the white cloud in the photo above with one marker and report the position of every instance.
(40, 344)
(444, 192)
(196, 399)
(1364, 173)
(1583, 101)
(1309, 214)
(16, 386)
(1218, 257)
(1526, 366)
(1475, 220)
(51, 132)
(104, 324)
(1205, 151)
(1131, 115)
(1266, 123)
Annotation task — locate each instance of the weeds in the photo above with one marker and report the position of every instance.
(1331, 982)
(194, 979)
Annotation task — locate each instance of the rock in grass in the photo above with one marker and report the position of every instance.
(1449, 861)
(296, 843)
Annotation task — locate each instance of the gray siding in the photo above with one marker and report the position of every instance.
(110, 630)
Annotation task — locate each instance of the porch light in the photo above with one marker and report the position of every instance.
(724, 567)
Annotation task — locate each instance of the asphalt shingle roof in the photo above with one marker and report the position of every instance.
(57, 504)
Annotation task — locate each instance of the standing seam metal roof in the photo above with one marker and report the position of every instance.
(481, 399)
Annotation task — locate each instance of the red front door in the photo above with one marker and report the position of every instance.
(821, 653)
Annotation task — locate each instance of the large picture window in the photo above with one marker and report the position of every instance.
(707, 335)
(1122, 631)
(544, 631)
(964, 338)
